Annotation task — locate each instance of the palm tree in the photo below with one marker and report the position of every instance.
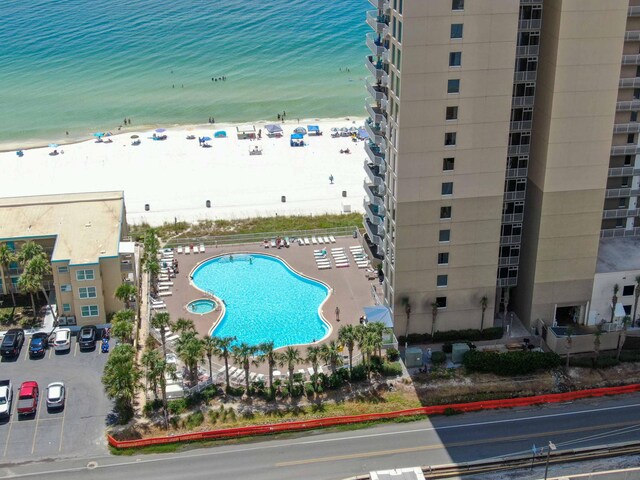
(209, 346)
(223, 347)
(636, 293)
(125, 292)
(484, 303)
(30, 284)
(347, 338)
(162, 322)
(268, 354)
(39, 267)
(434, 317)
(377, 329)
(183, 325)
(150, 360)
(366, 345)
(623, 335)
(243, 355)
(313, 357)
(614, 300)
(596, 346)
(152, 267)
(122, 325)
(330, 353)
(190, 350)
(121, 379)
(569, 343)
(29, 250)
(7, 257)
(290, 358)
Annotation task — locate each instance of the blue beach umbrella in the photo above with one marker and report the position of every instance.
(206, 139)
(53, 145)
(160, 130)
(98, 134)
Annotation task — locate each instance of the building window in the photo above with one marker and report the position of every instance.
(443, 258)
(456, 30)
(453, 85)
(452, 113)
(622, 203)
(399, 37)
(84, 275)
(627, 160)
(450, 139)
(89, 311)
(445, 213)
(448, 164)
(633, 117)
(442, 281)
(455, 59)
(636, 93)
(63, 269)
(441, 302)
(400, 5)
(65, 288)
(631, 138)
(445, 236)
(66, 307)
(447, 188)
(457, 4)
(87, 292)
(620, 223)
(624, 181)
(628, 290)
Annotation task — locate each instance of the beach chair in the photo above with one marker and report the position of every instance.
(320, 241)
(306, 241)
(342, 264)
(187, 250)
(322, 261)
(332, 238)
(326, 240)
(314, 240)
(300, 242)
(273, 243)
(165, 284)
(165, 294)
(202, 248)
(180, 249)
(302, 372)
(194, 249)
(162, 288)
(158, 306)
(171, 337)
(362, 265)
(260, 377)
(324, 267)
(337, 249)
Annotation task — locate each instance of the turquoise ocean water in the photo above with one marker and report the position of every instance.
(83, 66)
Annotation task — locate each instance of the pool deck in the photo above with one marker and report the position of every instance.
(351, 291)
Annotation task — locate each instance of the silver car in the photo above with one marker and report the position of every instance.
(55, 395)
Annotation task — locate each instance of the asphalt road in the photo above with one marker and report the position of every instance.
(318, 455)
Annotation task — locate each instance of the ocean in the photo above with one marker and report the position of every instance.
(81, 66)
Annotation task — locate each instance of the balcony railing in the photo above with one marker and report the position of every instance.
(621, 192)
(376, 114)
(621, 213)
(376, 232)
(512, 217)
(623, 171)
(522, 101)
(378, 92)
(633, 12)
(529, 76)
(507, 282)
(626, 127)
(625, 149)
(377, 44)
(521, 125)
(508, 261)
(516, 172)
(126, 266)
(632, 36)
(518, 149)
(527, 50)
(373, 213)
(377, 133)
(379, 23)
(373, 193)
(376, 156)
(627, 105)
(532, 24)
(520, 195)
(632, 82)
(619, 232)
(631, 59)
(374, 174)
(380, 4)
(510, 239)
(378, 68)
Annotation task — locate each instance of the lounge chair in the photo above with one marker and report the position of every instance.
(332, 238)
(337, 249)
(164, 294)
(324, 267)
(314, 240)
(194, 248)
(300, 242)
(165, 284)
(341, 264)
(180, 250)
(302, 372)
(320, 241)
(202, 248)
(273, 243)
(158, 306)
(311, 371)
(362, 265)
(326, 240)
(187, 250)
(163, 288)
(172, 337)
(260, 377)
(306, 241)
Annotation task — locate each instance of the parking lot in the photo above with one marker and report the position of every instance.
(78, 429)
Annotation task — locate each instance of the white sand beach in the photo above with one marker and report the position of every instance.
(176, 176)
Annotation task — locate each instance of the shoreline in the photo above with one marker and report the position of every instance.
(12, 145)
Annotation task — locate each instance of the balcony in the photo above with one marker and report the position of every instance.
(377, 45)
(374, 193)
(516, 172)
(507, 282)
(621, 213)
(619, 232)
(512, 217)
(378, 92)
(378, 69)
(379, 23)
(626, 127)
(521, 125)
(621, 192)
(518, 149)
(633, 82)
(625, 149)
(522, 101)
(628, 105)
(623, 171)
(373, 213)
(380, 4)
(376, 114)
(510, 239)
(633, 12)
(375, 232)
(632, 36)
(374, 153)
(631, 59)
(529, 76)
(531, 24)
(376, 133)
(126, 266)
(520, 195)
(527, 50)
(374, 174)
(508, 261)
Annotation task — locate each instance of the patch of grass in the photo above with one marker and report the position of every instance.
(194, 420)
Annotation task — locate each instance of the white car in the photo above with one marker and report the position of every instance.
(62, 339)
(55, 395)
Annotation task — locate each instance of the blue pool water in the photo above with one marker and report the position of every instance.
(201, 306)
(264, 299)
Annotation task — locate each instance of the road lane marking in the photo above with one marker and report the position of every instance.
(26, 355)
(75, 350)
(35, 432)
(447, 446)
(50, 352)
(14, 403)
(64, 414)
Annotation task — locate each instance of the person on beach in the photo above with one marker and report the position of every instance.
(278, 116)
(331, 179)
(337, 314)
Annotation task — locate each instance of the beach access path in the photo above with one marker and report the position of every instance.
(176, 177)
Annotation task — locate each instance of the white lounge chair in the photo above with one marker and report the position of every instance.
(260, 377)
(306, 241)
(302, 372)
(300, 242)
(310, 370)
(180, 249)
(172, 337)
(314, 240)
(323, 262)
(324, 267)
(165, 284)
(337, 249)
(158, 306)
(195, 249)
(187, 250)
(332, 238)
(165, 294)
(341, 265)
(320, 241)
(163, 288)
(202, 248)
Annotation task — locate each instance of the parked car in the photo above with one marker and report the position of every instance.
(6, 395)
(55, 395)
(62, 340)
(38, 344)
(12, 342)
(28, 398)
(87, 337)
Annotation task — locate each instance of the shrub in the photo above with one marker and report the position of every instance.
(391, 369)
(213, 416)
(438, 357)
(194, 420)
(509, 363)
(235, 391)
(604, 361)
(358, 373)
(178, 406)
(308, 390)
(393, 355)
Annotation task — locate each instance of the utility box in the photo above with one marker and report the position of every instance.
(413, 357)
(457, 352)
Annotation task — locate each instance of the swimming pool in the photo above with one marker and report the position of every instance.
(265, 300)
(201, 306)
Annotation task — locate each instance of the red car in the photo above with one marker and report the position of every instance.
(28, 398)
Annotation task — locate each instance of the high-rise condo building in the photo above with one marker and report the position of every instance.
(492, 174)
